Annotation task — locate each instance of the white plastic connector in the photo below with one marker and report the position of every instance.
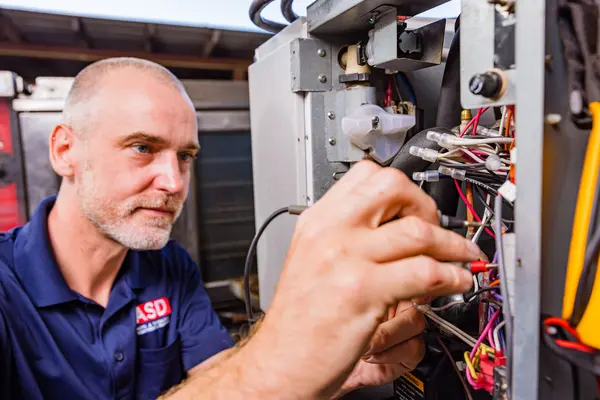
(453, 173)
(508, 190)
(443, 139)
(493, 163)
(427, 176)
(426, 154)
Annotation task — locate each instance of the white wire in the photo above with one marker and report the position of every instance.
(496, 334)
(475, 283)
(477, 142)
(487, 215)
(468, 339)
(472, 155)
(447, 306)
(502, 120)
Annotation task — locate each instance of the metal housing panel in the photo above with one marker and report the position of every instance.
(530, 52)
(347, 16)
(477, 55)
(311, 66)
(278, 158)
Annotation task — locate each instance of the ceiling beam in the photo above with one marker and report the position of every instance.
(149, 31)
(9, 30)
(78, 27)
(91, 55)
(212, 43)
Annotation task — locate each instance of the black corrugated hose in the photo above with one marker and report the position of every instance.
(448, 115)
(287, 11)
(255, 9)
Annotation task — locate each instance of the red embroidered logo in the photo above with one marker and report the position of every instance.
(152, 315)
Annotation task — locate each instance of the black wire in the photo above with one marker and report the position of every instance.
(482, 185)
(250, 259)
(469, 296)
(580, 359)
(287, 11)
(256, 8)
(476, 166)
(462, 379)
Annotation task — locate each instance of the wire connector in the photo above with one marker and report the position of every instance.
(443, 139)
(427, 176)
(426, 154)
(459, 174)
(493, 163)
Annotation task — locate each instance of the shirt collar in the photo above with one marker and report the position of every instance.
(37, 267)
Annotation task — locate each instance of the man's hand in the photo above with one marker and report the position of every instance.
(395, 349)
(372, 242)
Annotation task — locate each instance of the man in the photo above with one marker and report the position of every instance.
(96, 302)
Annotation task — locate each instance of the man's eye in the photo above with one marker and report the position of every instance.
(186, 157)
(141, 148)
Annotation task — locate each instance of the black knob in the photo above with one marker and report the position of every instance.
(487, 84)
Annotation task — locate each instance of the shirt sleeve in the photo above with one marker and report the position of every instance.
(201, 332)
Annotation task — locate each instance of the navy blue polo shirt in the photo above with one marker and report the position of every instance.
(57, 344)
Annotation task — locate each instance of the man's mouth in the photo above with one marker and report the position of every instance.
(158, 211)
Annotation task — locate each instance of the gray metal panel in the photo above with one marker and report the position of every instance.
(311, 66)
(41, 180)
(530, 52)
(216, 121)
(278, 158)
(345, 16)
(477, 55)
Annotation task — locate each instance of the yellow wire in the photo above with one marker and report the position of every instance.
(583, 212)
(470, 366)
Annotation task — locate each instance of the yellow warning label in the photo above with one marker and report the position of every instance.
(415, 381)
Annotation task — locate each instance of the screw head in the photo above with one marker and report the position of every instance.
(321, 52)
(553, 119)
(375, 121)
(332, 141)
(322, 78)
(331, 115)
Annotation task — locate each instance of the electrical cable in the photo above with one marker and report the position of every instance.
(409, 87)
(464, 199)
(497, 334)
(462, 380)
(256, 8)
(468, 296)
(583, 211)
(503, 283)
(250, 259)
(587, 277)
(287, 11)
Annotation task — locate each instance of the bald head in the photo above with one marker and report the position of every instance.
(93, 82)
(125, 149)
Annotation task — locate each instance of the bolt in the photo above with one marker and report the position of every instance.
(322, 78)
(553, 119)
(332, 141)
(321, 52)
(330, 115)
(375, 122)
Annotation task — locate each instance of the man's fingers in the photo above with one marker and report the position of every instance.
(408, 353)
(417, 277)
(386, 194)
(357, 174)
(412, 236)
(406, 324)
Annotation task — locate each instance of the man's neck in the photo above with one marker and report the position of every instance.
(88, 260)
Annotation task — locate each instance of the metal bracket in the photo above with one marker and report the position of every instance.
(311, 66)
(387, 50)
(477, 56)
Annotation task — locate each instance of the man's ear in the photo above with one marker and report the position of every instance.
(61, 150)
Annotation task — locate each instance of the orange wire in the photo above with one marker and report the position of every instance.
(495, 283)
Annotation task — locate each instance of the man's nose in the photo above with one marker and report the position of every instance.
(169, 176)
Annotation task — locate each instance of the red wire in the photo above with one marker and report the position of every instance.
(563, 324)
(462, 196)
(574, 346)
(388, 93)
